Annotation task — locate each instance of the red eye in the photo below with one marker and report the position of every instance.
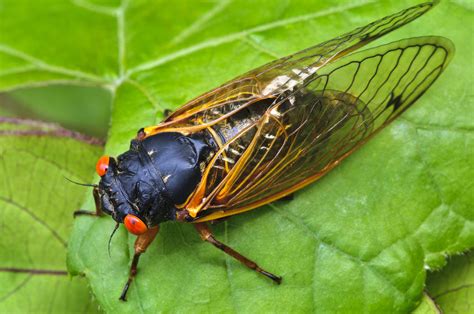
(102, 165)
(135, 225)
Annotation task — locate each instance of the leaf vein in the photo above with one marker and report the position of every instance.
(259, 48)
(84, 4)
(121, 54)
(297, 221)
(48, 67)
(235, 36)
(146, 93)
(71, 82)
(16, 289)
(17, 70)
(35, 218)
(433, 180)
(198, 24)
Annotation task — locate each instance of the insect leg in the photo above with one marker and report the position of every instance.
(207, 235)
(98, 208)
(141, 244)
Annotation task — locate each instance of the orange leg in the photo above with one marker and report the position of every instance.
(207, 235)
(141, 244)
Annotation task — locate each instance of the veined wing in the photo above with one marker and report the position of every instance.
(309, 129)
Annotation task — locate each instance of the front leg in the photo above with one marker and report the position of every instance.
(141, 244)
(207, 235)
(98, 207)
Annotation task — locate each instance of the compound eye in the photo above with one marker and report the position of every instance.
(102, 165)
(135, 225)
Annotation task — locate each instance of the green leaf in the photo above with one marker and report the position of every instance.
(36, 216)
(453, 287)
(359, 240)
(84, 109)
(427, 306)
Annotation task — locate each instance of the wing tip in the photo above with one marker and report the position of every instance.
(447, 44)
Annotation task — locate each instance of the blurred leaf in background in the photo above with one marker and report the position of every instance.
(84, 109)
(36, 204)
(358, 240)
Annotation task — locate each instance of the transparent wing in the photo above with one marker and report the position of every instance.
(309, 129)
(272, 79)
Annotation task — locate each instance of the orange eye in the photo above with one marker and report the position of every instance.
(102, 165)
(134, 225)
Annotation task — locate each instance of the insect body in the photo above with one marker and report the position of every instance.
(267, 133)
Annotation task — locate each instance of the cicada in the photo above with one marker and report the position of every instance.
(267, 133)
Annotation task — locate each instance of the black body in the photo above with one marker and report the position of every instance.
(154, 176)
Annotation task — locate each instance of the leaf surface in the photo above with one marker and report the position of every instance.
(36, 205)
(359, 240)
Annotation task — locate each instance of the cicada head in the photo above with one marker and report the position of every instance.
(130, 194)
